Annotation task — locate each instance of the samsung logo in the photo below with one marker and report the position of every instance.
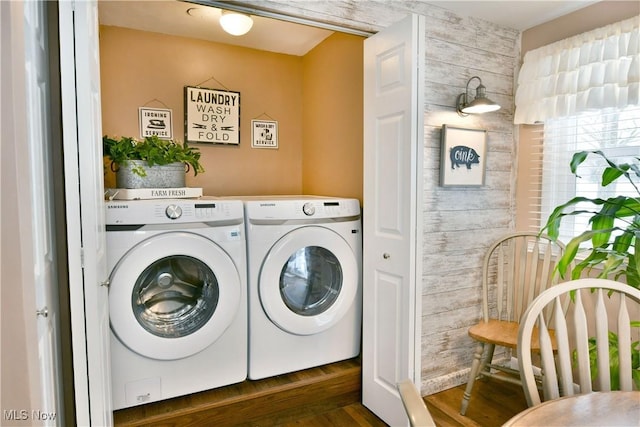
(267, 204)
(117, 206)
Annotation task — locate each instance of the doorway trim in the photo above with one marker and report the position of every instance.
(252, 10)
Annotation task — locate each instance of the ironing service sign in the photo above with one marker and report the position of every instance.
(155, 122)
(212, 116)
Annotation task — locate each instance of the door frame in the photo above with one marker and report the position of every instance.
(276, 15)
(84, 203)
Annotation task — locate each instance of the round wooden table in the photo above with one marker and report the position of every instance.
(613, 408)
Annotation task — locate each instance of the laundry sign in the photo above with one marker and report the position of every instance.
(212, 116)
(155, 122)
(264, 134)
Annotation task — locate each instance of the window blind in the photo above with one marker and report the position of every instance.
(615, 132)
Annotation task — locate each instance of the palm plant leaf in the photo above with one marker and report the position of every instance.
(614, 226)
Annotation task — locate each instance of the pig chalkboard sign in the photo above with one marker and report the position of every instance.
(463, 156)
(463, 153)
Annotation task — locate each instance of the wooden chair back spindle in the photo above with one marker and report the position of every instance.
(567, 368)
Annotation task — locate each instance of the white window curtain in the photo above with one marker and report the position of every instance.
(594, 70)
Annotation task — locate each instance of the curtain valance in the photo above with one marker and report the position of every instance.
(593, 70)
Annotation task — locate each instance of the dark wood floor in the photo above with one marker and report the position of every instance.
(492, 404)
(327, 396)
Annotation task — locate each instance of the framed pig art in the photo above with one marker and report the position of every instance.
(462, 156)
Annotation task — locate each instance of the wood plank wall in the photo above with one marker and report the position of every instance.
(458, 223)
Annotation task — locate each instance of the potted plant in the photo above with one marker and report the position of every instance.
(614, 361)
(614, 234)
(150, 163)
(614, 230)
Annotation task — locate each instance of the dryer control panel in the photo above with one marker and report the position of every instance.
(164, 211)
(301, 209)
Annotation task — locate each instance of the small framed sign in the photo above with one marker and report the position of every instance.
(156, 121)
(462, 156)
(212, 116)
(264, 134)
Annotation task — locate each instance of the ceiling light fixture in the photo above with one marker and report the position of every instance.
(235, 23)
(481, 104)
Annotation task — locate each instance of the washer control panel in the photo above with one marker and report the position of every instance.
(301, 209)
(173, 211)
(308, 209)
(164, 211)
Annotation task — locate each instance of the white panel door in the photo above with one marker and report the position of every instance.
(86, 236)
(393, 146)
(40, 192)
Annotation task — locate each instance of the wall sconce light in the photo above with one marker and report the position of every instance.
(480, 104)
(235, 23)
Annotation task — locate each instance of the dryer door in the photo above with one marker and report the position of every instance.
(309, 280)
(173, 295)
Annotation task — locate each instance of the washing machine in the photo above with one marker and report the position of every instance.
(177, 297)
(305, 298)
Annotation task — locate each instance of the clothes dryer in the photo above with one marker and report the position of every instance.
(177, 297)
(305, 262)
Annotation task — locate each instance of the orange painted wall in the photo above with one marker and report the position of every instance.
(333, 122)
(589, 18)
(316, 100)
(150, 69)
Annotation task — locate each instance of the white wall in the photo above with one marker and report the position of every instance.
(460, 223)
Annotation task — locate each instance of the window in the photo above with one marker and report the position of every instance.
(616, 132)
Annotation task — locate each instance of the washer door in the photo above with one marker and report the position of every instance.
(173, 295)
(308, 281)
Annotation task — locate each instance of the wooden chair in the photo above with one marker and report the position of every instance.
(516, 269)
(417, 411)
(567, 370)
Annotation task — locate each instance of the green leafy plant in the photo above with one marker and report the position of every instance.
(614, 230)
(153, 150)
(614, 361)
